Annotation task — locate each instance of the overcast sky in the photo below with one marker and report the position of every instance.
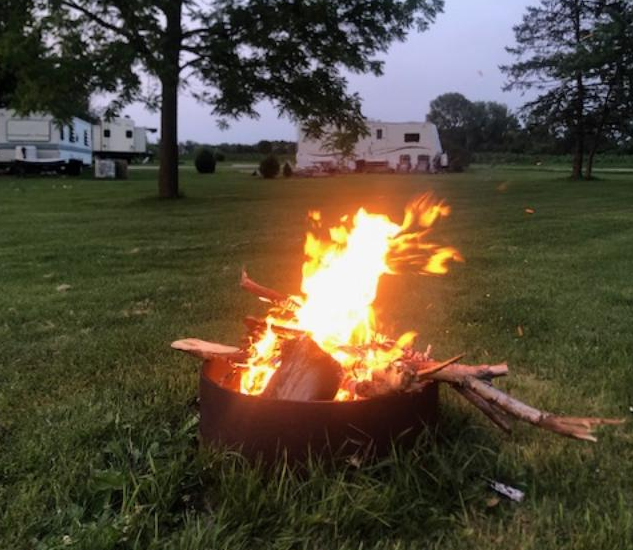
(461, 52)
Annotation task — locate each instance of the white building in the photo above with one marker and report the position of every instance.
(402, 146)
(38, 138)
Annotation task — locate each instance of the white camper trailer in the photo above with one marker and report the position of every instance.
(38, 143)
(397, 146)
(119, 138)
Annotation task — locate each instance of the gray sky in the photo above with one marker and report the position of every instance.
(461, 52)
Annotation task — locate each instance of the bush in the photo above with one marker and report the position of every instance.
(287, 170)
(458, 159)
(269, 167)
(205, 161)
(219, 156)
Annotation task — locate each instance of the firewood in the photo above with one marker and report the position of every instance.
(410, 376)
(457, 372)
(267, 294)
(570, 426)
(495, 415)
(306, 373)
(258, 326)
(208, 350)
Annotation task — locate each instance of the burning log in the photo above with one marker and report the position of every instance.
(306, 373)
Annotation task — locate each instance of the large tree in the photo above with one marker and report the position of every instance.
(566, 50)
(232, 53)
(609, 69)
(474, 126)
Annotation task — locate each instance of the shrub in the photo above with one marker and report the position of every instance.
(269, 167)
(287, 170)
(205, 161)
(458, 159)
(219, 156)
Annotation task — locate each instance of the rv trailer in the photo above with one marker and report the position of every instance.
(119, 138)
(390, 146)
(37, 143)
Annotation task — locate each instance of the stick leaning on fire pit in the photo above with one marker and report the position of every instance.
(307, 373)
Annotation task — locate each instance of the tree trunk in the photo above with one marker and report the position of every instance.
(169, 78)
(603, 121)
(579, 130)
(590, 155)
(168, 152)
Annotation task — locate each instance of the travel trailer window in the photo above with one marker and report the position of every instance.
(106, 132)
(129, 134)
(379, 133)
(409, 138)
(28, 129)
(86, 138)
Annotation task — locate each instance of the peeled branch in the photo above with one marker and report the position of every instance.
(208, 350)
(267, 294)
(473, 383)
(570, 426)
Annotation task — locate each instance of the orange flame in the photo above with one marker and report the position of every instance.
(340, 281)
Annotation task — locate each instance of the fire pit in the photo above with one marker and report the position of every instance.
(317, 373)
(260, 426)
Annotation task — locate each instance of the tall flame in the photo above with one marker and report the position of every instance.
(340, 281)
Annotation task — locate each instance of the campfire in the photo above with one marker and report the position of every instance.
(326, 343)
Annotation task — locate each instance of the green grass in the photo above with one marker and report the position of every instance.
(97, 423)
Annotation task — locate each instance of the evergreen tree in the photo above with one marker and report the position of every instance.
(577, 55)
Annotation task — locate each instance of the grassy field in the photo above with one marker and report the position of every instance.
(97, 417)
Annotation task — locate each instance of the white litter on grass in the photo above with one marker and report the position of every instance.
(509, 492)
(63, 288)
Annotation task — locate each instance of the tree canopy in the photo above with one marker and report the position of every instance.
(473, 126)
(230, 54)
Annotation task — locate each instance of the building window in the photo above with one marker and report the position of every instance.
(72, 137)
(106, 133)
(379, 133)
(61, 133)
(86, 143)
(409, 138)
(129, 134)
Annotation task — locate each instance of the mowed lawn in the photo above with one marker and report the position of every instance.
(97, 414)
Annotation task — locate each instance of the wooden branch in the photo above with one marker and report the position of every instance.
(494, 414)
(266, 294)
(413, 375)
(306, 373)
(258, 326)
(570, 426)
(435, 367)
(208, 350)
(457, 372)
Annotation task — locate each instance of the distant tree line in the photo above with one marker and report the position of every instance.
(263, 147)
(470, 127)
